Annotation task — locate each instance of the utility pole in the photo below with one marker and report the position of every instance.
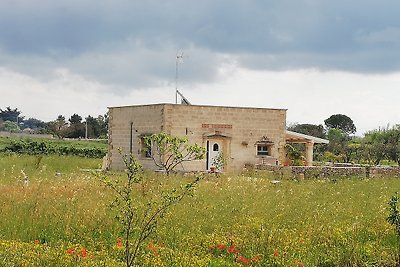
(86, 128)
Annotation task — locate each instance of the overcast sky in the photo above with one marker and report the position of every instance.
(314, 57)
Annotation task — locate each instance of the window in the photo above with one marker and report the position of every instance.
(263, 150)
(215, 147)
(146, 150)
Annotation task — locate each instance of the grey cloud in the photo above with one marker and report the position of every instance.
(134, 42)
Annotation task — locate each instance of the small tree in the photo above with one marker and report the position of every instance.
(11, 126)
(394, 219)
(169, 151)
(139, 211)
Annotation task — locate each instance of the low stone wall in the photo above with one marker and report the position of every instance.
(25, 135)
(314, 172)
(393, 171)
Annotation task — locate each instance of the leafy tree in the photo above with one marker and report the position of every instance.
(392, 138)
(34, 124)
(58, 126)
(75, 119)
(11, 126)
(309, 129)
(338, 142)
(382, 144)
(341, 122)
(76, 128)
(97, 127)
(168, 151)
(10, 114)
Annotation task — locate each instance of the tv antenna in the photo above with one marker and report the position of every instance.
(179, 59)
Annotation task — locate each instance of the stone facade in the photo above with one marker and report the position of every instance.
(240, 135)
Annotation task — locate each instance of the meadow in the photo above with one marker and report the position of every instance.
(54, 214)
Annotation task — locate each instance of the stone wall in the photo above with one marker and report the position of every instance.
(238, 129)
(25, 135)
(315, 172)
(144, 120)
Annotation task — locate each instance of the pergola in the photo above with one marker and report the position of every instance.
(308, 140)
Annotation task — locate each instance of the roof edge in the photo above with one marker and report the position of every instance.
(170, 104)
(316, 140)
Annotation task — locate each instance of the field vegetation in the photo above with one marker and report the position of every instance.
(83, 148)
(54, 214)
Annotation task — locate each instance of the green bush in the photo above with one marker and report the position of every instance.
(45, 147)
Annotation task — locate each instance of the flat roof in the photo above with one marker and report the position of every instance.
(294, 137)
(170, 104)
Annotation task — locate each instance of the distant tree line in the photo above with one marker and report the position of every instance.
(379, 146)
(75, 127)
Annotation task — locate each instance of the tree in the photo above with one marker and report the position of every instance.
(341, 122)
(76, 128)
(11, 126)
(10, 114)
(338, 142)
(168, 151)
(140, 208)
(309, 129)
(34, 124)
(97, 127)
(58, 126)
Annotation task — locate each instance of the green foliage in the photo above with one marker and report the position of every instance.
(316, 221)
(11, 126)
(169, 151)
(10, 114)
(394, 220)
(219, 161)
(309, 129)
(294, 155)
(394, 213)
(139, 219)
(341, 122)
(45, 147)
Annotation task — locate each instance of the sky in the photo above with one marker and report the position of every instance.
(315, 58)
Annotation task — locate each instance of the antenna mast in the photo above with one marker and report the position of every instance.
(179, 57)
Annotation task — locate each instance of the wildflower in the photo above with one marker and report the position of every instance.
(299, 263)
(119, 242)
(152, 248)
(36, 241)
(212, 246)
(276, 253)
(84, 252)
(243, 260)
(231, 249)
(70, 251)
(255, 259)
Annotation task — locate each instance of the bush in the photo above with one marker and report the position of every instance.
(43, 147)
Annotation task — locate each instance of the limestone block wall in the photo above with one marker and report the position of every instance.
(242, 128)
(144, 120)
(238, 129)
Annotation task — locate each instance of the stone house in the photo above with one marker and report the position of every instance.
(238, 134)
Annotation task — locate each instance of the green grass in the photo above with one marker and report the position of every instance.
(310, 223)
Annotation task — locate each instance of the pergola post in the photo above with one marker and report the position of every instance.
(309, 153)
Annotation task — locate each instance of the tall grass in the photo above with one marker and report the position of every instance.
(292, 223)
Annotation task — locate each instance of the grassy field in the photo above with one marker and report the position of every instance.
(53, 214)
